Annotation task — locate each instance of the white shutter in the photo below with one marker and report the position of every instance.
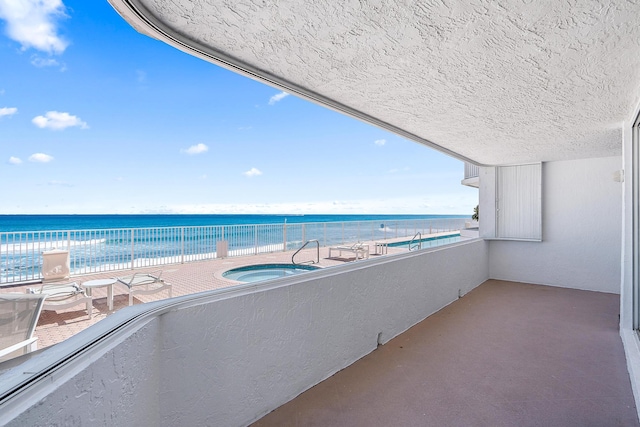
(519, 205)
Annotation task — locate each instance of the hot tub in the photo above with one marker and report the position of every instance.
(260, 272)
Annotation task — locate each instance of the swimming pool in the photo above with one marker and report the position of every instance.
(260, 272)
(428, 242)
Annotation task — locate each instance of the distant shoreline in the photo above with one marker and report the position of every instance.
(41, 222)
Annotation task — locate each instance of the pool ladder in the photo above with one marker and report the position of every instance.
(418, 245)
(304, 246)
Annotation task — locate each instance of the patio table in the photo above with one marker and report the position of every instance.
(101, 283)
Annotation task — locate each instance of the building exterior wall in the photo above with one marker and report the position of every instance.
(230, 356)
(581, 230)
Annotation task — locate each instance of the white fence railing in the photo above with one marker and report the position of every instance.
(471, 171)
(94, 251)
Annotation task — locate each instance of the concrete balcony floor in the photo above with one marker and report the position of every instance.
(506, 354)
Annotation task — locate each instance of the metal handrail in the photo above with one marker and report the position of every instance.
(304, 246)
(419, 245)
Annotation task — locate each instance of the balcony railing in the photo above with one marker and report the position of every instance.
(471, 171)
(94, 251)
(237, 352)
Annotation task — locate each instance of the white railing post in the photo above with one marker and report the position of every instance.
(304, 233)
(181, 245)
(325, 233)
(132, 247)
(255, 233)
(284, 236)
(69, 246)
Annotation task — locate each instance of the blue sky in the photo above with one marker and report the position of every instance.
(97, 118)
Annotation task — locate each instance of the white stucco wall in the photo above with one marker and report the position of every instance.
(228, 357)
(581, 230)
(113, 383)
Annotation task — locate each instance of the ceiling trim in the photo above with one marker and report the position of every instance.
(141, 18)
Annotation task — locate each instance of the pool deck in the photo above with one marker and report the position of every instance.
(189, 278)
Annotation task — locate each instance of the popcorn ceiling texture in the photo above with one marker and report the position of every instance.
(496, 81)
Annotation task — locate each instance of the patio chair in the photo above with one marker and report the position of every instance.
(144, 284)
(360, 250)
(19, 315)
(63, 295)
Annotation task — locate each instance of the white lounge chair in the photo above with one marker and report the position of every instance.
(144, 284)
(359, 249)
(19, 315)
(63, 295)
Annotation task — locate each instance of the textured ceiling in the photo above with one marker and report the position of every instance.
(497, 82)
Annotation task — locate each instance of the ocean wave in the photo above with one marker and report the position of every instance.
(47, 246)
(386, 229)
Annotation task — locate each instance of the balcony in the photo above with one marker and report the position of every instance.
(495, 351)
(471, 175)
(506, 353)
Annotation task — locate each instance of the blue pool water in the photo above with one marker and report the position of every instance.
(428, 242)
(260, 272)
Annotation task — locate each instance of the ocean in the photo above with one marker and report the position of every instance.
(99, 243)
(15, 223)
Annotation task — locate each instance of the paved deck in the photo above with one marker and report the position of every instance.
(189, 278)
(506, 354)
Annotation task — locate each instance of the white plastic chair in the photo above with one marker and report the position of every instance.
(63, 295)
(19, 315)
(360, 250)
(144, 284)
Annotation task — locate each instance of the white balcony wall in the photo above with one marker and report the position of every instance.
(228, 357)
(581, 230)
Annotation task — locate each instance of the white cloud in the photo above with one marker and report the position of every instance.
(58, 121)
(196, 149)
(15, 160)
(396, 170)
(252, 172)
(40, 158)
(277, 97)
(380, 142)
(6, 111)
(40, 62)
(34, 23)
(60, 183)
